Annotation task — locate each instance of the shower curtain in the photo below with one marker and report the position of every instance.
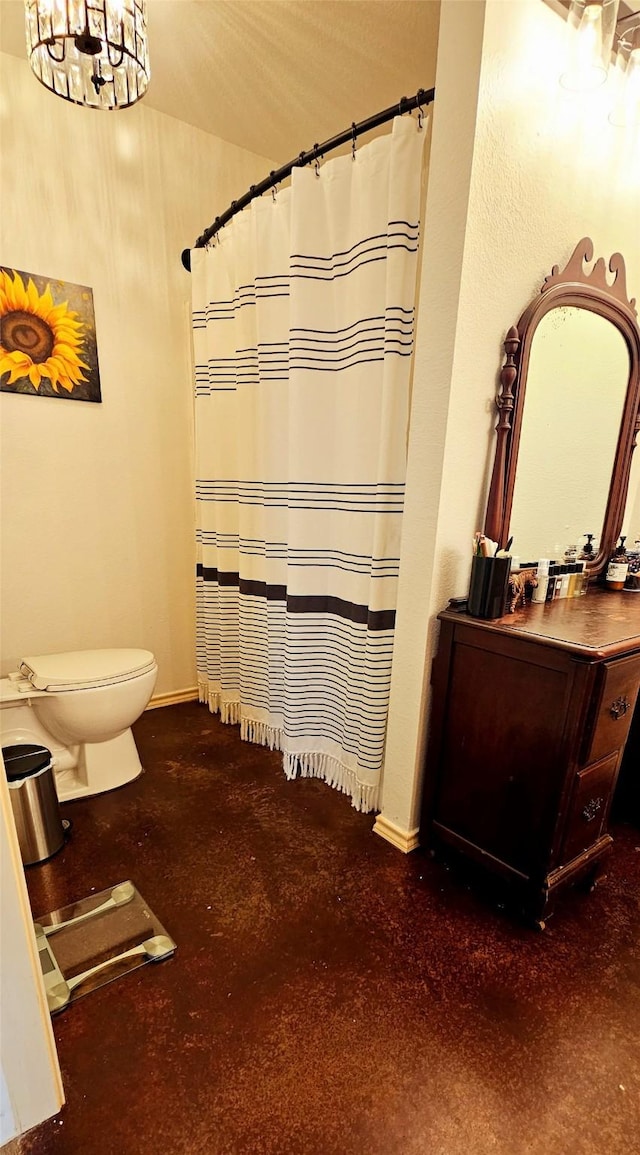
(303, 322)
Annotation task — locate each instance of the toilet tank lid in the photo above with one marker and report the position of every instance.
(84, 669)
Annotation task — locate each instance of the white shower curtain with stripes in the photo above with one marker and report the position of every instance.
(303, 326)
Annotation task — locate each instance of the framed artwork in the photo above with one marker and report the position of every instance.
(47, 338)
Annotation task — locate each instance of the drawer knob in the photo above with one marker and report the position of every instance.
(619, 708)
(592, 808)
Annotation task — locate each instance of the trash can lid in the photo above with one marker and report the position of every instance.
(24, 760)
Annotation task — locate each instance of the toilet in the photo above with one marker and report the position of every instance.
(81, 706)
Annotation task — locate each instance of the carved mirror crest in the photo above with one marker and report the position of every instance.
(569, 414)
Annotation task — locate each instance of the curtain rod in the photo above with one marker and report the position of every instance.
(422, 98)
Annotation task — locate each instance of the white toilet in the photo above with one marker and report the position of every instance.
(81, 706)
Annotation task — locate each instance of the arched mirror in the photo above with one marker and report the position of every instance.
(568, 414)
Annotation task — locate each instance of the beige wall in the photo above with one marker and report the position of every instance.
(544, 171)
(30, 1084)
(97, 510)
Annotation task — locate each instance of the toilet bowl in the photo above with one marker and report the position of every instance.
(81, 706)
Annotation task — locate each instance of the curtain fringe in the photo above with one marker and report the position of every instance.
(261, 733)
(310, 765)
(208, 695)
(317, 765)
(229, 711)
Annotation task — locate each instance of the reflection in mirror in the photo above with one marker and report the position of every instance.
(631, 521)
(576, 387)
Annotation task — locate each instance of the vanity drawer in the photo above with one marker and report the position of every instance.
(589, 807)
(614, 705)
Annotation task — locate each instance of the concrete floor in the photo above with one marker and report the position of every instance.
(329, 994)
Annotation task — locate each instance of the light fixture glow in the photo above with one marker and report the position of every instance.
(91, 52)
(591, 27)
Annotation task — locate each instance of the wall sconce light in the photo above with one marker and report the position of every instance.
(91, 52)
(591, 28)
(626, 110)
(596, 31)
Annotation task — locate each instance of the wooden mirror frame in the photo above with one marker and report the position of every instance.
(586, 290)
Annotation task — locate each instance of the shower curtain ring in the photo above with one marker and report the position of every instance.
(272, 174)
(316, 161)
(353, 140)
(212, 240)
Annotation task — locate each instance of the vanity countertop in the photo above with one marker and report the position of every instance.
(602, 624)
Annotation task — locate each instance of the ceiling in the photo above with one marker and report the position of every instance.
(275, 76)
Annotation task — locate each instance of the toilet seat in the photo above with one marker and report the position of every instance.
(86, 669)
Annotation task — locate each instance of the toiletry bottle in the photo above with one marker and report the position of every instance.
(570, 554)
(583, 579)
(557, 590)
(573, 577)
(551, 583)
(586, 552)
(558, 583)
(564, 584)
(540, 592)
(618, 567)
(633, 575)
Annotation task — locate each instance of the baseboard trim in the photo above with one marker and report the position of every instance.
(404, 840)
(190, 695)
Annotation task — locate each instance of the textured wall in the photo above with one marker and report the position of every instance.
(30, 1086)
(97, 508)
(546, 170)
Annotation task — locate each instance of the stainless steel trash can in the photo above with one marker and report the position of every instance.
(34, 801)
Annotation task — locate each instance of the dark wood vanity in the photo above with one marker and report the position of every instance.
(530, 716)
(531, 712)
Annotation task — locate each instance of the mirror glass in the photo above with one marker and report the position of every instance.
(631, 522)
(577, 381)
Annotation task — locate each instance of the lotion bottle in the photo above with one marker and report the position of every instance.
(618, 567)
(587, 553)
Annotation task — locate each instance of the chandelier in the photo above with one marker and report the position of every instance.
(91, 52)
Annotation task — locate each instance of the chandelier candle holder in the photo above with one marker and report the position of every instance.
(90, 52)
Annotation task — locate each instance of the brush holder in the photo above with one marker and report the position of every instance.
(488, 586)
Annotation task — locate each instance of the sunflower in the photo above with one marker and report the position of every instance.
(37, 338)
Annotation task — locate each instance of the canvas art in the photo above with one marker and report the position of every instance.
(47, 337)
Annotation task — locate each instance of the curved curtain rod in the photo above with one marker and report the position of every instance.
(405, 104)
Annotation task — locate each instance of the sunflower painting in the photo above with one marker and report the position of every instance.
(47, 338)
